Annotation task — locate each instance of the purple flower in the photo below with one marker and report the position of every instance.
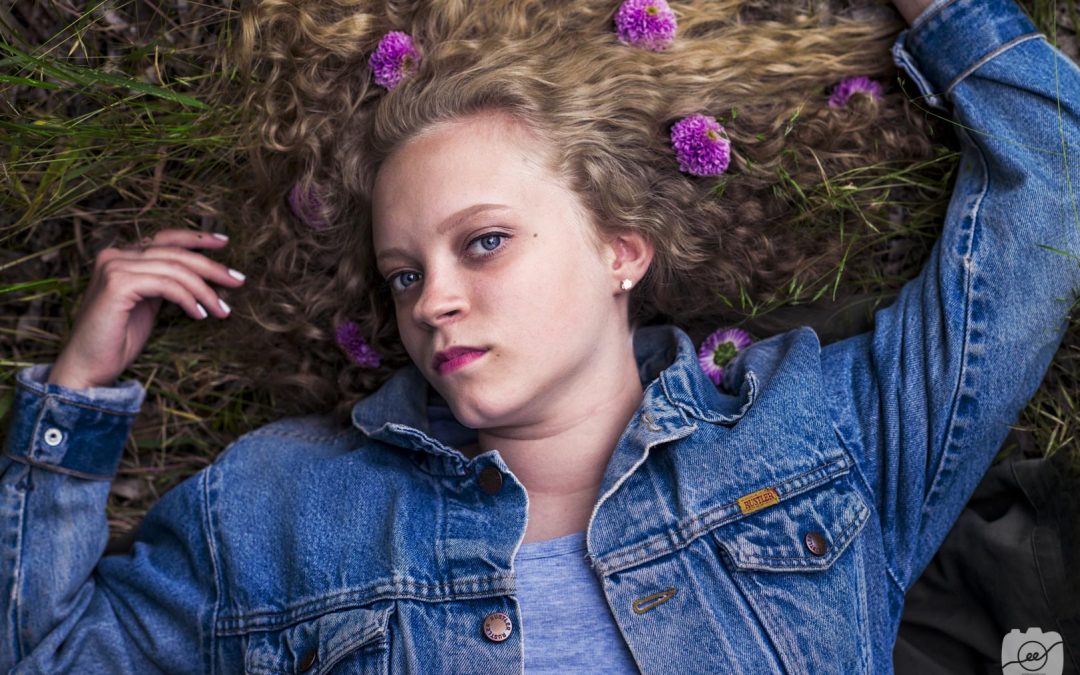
(307, 206)
(719, 348)
(354, 344)
(394, 58)
(649, 24)
(701, 145)
(854, 85)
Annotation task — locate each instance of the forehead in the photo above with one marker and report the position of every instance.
(456, 165)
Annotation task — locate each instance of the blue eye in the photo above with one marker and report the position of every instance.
(391, 280)
(489, 241)
(485, 239)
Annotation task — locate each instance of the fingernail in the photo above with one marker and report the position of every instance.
(202, 310)
(236, 275)
(223, 237)
(224, 306)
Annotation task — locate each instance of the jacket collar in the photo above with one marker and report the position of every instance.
(407, 412)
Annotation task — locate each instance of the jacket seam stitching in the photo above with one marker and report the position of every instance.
(214, 568)
(263, 620)
(16, 605)
(45, 395)
(994, 53)
(857, 468)
(969, 272)
(57, 468)
(896, 580)
(839, 413)
(326, 436)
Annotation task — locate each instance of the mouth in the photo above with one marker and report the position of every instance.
(454, 358)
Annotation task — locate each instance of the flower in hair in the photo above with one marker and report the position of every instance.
(850, 86)
(354, 344)
(719, 349)
(701, 145)
(649, 24)
(394, 58)
(307, 207)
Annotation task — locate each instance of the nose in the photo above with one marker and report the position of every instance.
(442, 299)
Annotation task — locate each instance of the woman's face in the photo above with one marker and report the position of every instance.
(520, 280)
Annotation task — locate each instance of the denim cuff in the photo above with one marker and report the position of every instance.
(75, 431)
(950, 38)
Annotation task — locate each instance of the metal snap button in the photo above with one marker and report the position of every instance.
(490, 480)
(816, 543)
(53, 436)
(308, 660)
(497, 626)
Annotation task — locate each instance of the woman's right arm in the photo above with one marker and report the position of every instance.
(63, 607)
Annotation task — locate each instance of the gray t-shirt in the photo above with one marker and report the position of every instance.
(568, 626)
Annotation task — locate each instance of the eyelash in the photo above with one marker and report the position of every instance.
(482, 256)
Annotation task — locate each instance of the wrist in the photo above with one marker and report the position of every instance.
(59, 376)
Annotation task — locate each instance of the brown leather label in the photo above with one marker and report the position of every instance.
(758, 500)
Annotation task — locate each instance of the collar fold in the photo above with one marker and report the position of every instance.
(407, 411)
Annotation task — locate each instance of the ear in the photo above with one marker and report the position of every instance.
(629, 255)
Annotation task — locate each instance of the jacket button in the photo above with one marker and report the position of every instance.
(53, 436)
(491, 480)
(497, 626)
(816, 543)
(307, 661)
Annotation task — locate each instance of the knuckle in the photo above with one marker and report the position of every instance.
(107, 264)
(113, 280)
(177, 267)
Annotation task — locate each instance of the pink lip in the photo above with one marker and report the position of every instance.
(460, 360)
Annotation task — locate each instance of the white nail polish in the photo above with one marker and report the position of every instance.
(223, 237)
(236, 275)
(224, 306)
(202, 310)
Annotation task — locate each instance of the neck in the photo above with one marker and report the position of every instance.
(561, 460)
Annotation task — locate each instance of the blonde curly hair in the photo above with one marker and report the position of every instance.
(602, 108)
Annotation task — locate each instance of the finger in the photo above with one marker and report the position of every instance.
(128, 271)
(205, 267)
(155, 287)
(179, 237)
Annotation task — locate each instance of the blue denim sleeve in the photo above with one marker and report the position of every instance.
(63, 607)
(924, 400)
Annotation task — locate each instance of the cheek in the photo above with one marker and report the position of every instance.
(559, 296)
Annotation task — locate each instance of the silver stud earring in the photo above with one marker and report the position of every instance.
(626, 284)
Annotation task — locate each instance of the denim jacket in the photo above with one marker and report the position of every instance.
(773, 523)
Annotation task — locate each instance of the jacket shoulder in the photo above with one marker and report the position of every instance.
(312, 436)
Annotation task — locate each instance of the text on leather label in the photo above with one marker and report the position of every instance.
(758, 500)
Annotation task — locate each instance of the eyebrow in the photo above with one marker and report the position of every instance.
(450, 222)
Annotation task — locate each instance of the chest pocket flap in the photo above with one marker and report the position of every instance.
(803, 532)
(356, 635)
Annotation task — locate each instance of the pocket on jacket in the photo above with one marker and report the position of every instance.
(352, 641)
(804, 532)
(800, 566)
